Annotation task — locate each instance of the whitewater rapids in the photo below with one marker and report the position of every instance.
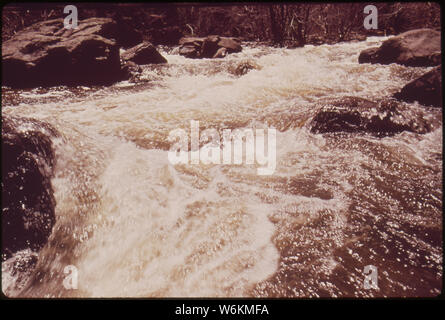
(134, 225)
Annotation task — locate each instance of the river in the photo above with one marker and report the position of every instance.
(134, 225)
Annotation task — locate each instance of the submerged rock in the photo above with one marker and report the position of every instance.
(47, 54)
(143, 53)
(131, 71)
(415, 48)
(231, 44)
(27, 197)
(243, 67)
(208, 47)
(221, 53)
(383, 118)
(427, 89)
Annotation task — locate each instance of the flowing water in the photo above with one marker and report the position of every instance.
(134, 225)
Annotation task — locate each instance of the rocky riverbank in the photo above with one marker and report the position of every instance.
(99, 52)
(47, 54)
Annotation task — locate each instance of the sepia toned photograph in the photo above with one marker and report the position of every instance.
(221, 150)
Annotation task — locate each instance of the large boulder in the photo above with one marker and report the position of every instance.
(191, 41)
(208, 47)
(190, 47)
(143, 53)
(47, 54)
(27, 197)
(415, 48)
(427, 89)
(189, 51)
(220, 53)
(231, 44)
(353, 114)
(368, 55)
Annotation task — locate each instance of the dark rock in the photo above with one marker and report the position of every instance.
(415, 48)
(352, 114)
(195, 41)
(231, 44)
(190, 47)
(208, 47)
(221, 53)
(131, 71)
(27, 198)
(189, 51)
(143, 53)
(243, 67)
(47, 54)
(368, 55)
(427, 89)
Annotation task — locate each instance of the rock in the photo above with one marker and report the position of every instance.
(191, 41)
(27, 197)
(352, 114)
(189, 51)
(208, 47)
(143, 53)
(131, 71)
(221, 53)
(47, 54)
(427, 89)
(231, 44)
(368, 55)
(415, 48)
(243, 67)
